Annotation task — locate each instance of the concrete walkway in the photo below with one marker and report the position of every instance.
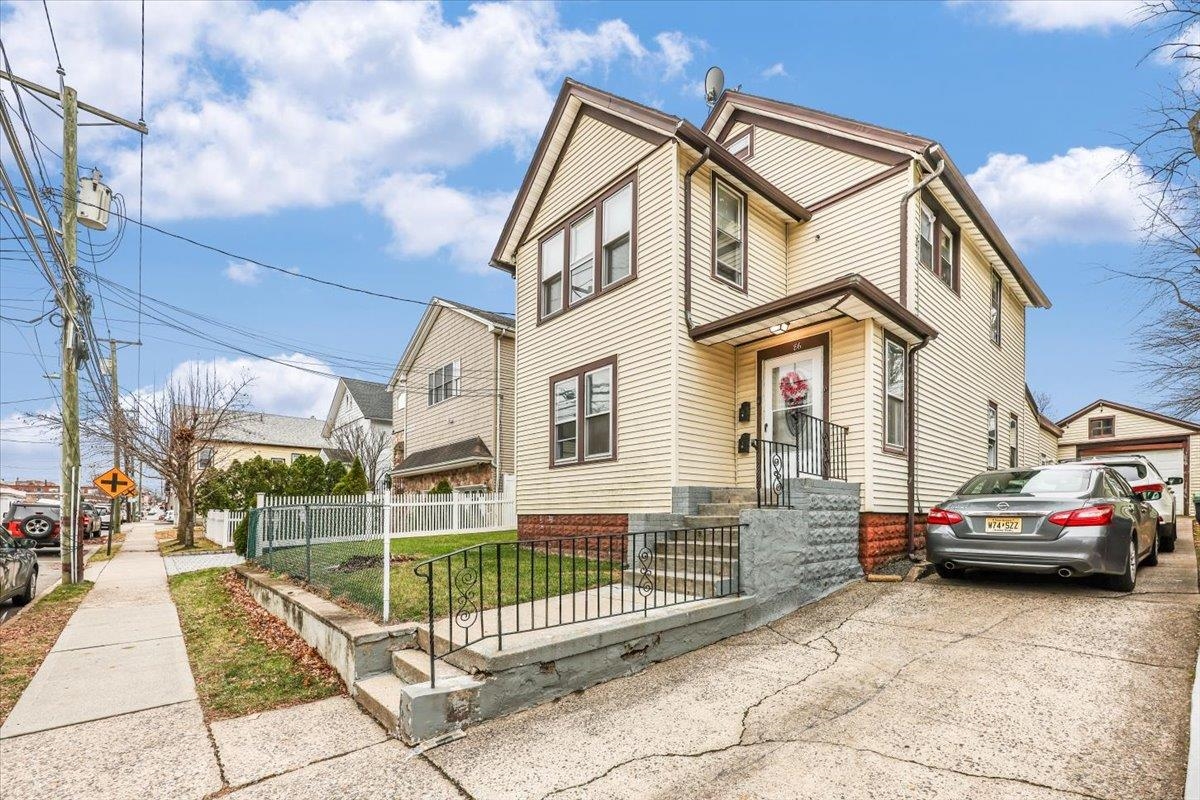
(116, 689)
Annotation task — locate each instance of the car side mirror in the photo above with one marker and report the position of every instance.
(1176, 481)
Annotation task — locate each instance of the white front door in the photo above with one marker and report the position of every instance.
(793, 403)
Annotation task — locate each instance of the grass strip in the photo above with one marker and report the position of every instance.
(244, 659)
(102, 554)
(25, 640)
(169, 545)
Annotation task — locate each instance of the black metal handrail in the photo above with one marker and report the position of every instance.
(817, 449)
(496, 589)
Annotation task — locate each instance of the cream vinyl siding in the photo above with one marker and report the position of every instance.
(957, 374)
(713, 298)
(508, 461)
(1048, 444)
(595, 156)
(858, 235)
(225, 453)
(847, 375)
(806, 171)
(633, 323)
(453, 337)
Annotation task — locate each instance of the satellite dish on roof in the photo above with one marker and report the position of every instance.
(714, 84)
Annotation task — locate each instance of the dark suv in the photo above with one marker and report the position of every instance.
(40, 522)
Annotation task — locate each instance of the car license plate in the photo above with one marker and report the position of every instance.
(1002, 525)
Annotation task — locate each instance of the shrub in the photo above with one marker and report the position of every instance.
(241, 533)
(355, 481)
(443, 487)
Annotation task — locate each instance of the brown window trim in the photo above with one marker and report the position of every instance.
(892, 449)
(996, 290)
(577, 374)
(594, 203)
(1014, 441)
(942, 220)
(993, 412)
(1109, 418)
(731, 138)
(744, 286)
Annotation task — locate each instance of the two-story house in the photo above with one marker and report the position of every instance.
(456, 422)
(781, 292)
(359, 425)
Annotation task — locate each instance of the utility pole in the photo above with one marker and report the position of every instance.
(72, 552)
(114, 520)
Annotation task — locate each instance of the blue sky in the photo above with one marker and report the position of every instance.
(381, 148)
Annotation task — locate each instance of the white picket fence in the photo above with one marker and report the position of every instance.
(219, 524)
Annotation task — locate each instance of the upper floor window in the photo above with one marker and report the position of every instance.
(1101, 426)
(997, 299)
(729, 233)
(204, 458)
(937, 242)
(444, 383)
(926, 223)
(993, 436)
(583, 416)
(591, 251)
(1013, 437)
(894, 374)
(742, 146)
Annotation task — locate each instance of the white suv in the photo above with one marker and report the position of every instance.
(1144, 477)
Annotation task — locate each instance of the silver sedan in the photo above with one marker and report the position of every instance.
(1065, 519)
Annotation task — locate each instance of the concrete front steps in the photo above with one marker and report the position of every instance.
(724, 508)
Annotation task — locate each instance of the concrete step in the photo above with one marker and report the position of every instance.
(714, 521)
(379, 695)
(685, 583)
(707, 546)
(733, 496)
(412, 666)
(692, 561)
(722, 509)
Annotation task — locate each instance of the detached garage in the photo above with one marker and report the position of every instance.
(1106, 428)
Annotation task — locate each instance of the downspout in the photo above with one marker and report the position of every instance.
(496, 472)
(910, 385)
(687, 235)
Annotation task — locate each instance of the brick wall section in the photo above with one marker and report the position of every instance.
(881, 537)
(479, 474)
(556, 526)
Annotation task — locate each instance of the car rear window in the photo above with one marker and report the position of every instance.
(1131, 472)
(23, 510)
(1030, 481)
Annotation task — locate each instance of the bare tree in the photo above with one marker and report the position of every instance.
(1045, 403)
(367, 444)
(169, 431)
(1165, 154)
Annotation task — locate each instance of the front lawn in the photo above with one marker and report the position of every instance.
(350, 572)
(169, 545)
(25, 641)
(244, 659)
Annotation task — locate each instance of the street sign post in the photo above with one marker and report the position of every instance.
(115, 483)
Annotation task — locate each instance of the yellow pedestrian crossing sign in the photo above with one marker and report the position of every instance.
(115, 483)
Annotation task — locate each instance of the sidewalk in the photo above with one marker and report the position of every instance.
(117, 692)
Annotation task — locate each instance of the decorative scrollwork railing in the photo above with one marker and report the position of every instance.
(816, 449)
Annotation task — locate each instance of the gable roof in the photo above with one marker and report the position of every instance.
(504, 324)
(904, 145)
(373, 398)
(1141, 412)
(630, 116)
(255, 427)
(1042, 419)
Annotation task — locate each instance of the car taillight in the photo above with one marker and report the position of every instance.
(1150, 487)
(940, 516)
(1077, 517)
(14, 529)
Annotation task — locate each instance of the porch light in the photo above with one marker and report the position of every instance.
(780, 328)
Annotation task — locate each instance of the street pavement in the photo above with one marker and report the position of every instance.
(116, 690)
(998, 686)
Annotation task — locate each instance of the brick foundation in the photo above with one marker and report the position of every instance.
(881, 537)
(477, 475)
(556, 526)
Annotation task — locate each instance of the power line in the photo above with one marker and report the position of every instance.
(53, 41)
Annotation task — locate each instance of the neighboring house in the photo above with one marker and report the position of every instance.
(1105, 428)
(456, 422)
(275, 437)
(359, 423)
(1045, 434)
(690, 298)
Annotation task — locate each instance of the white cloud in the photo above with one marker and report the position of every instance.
(29, 447)
(255, 109)
(1057, 15)
(274, 388)
(244, 272)
(1084, 195)
(776, 70)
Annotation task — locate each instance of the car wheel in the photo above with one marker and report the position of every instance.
(1152, 559)
(949, 574)
(26, 595)
(1127, 579)
(38, 526)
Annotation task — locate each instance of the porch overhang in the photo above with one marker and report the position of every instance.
(465, 453)
(851, 296)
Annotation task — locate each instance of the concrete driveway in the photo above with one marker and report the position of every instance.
(997, 687)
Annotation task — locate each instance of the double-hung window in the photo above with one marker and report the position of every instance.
(552, 275)
(583, 261)
(937, 242)
(993, 442)
(729, 233)
(925, 226)
(1013, 440)
(894, 369)
(583, 414)
(617, 235)
(997, 300)
(443, 383)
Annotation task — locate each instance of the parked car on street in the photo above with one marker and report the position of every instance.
(18, 569)
(91, 517)
(1066, 519)
(1144, 477)
(40, 522)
